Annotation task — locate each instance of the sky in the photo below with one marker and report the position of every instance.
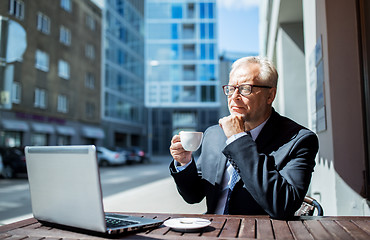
(237, 25)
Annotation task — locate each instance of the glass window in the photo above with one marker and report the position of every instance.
(65, 36)
(202, 30)
(90, 22)
(189, 94)
(90, 110)
(210, 10)
(62, 105)
(208, 94)
(174, 31)
(39, 139)
(63, 69)
(16, 92)
(90, 51)
(202, 10)
(160, 31)
(202, 51)
(16, 8)
(90, 81)
(43, 23)
(211, 34)
(159, 11)
(42, 60)
(40, 98)
(63, 140)
(66, 5)
(176, 11)
(206, 72)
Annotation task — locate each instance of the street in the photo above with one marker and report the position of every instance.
(144, 187)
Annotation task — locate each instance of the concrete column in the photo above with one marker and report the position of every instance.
(290, 61)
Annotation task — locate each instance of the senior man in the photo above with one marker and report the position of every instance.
(255, 162)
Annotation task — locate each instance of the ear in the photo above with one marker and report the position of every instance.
(271, 96)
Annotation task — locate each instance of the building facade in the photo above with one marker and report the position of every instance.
(322, 51)
(51, 92)
(181, 82)
(123, 110)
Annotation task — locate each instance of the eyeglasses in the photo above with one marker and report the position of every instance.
(244, 89)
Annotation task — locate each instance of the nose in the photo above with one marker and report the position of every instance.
(236, 94)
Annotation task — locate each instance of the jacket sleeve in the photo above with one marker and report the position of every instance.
(189, 183)
(278, 181)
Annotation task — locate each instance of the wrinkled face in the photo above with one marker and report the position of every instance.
(256, 107)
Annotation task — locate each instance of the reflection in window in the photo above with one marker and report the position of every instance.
(16, 8)
(42, 60)
(43, 23)
(16, 92)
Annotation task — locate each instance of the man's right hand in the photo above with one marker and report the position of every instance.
(178, 152)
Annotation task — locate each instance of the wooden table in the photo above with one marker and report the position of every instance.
(222, 227)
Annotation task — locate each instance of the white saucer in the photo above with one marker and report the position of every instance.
(187, 224)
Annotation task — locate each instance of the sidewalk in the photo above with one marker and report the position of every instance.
(157, 197)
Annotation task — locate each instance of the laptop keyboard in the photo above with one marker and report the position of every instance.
(114, 222)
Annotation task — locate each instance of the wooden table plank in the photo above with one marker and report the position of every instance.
(353, 230)
(299, 230)
(317, 230)
(363, 224)
(231, 228)
(281, 230)
(264, 229)
(335, 230)
(247, 228)
(215, 228)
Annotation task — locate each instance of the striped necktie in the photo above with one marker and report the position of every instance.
(234, 180)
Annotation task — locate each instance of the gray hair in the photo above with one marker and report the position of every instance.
(268, 73)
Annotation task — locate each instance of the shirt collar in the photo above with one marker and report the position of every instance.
(256, 131)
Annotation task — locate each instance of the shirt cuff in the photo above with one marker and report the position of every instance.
(179, 168)
(234, 137)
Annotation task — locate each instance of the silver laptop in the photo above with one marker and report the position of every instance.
(66, 190)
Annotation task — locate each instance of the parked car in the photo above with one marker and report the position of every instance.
(13, 161)
(134, 154)
(130, 154)
(144, 157)
(107, 157)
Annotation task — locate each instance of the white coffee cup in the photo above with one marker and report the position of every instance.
(191, 141)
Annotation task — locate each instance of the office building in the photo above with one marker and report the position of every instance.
(181, 82)
(123, 109)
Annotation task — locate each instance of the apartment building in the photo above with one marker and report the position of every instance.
(53, 90)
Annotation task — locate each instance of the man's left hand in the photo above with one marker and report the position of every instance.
(232, 125)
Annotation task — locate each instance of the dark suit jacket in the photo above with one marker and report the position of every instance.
(275, 169)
